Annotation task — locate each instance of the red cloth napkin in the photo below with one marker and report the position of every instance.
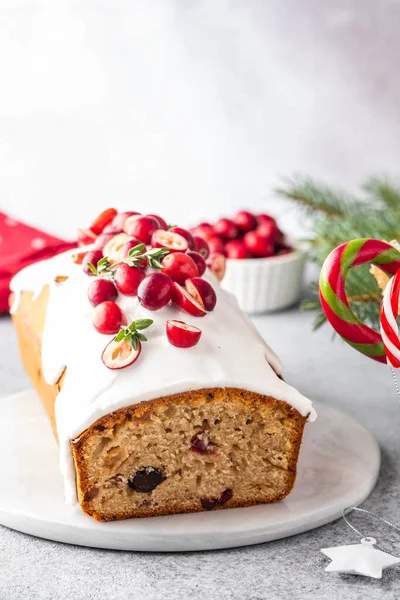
(21, 245)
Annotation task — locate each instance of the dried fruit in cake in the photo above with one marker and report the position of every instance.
(146, 480)
(211, 503)
(155, 291)
(179, 267)
(182, 335)
(202, 291)
(201, 443)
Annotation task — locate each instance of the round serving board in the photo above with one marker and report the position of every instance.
(338, 467)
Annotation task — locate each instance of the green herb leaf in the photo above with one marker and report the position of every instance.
(92, 268)
(142, 323)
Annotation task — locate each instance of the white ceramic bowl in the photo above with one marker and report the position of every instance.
(266, 284)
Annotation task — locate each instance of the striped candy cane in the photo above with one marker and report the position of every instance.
(333, 294)
(388, 316)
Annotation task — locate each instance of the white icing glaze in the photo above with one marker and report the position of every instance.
(231, 353)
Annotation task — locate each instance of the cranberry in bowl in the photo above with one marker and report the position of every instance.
(264, 268)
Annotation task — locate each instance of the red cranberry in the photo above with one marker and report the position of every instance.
(217, 264)
(179, 267)
(204, 230)
(143, 228)
(226, 228)
(108, 317)
(181, 335)
(167, 239)
(112, 229)
(186, 234)
(269, 231)
(236, 249)
(258, 245)
(146, 480)
(155, 291)
(101, 290)
(103, 238)
(86, 237)
(202, 291)
(245, 221)
(211, 503)
(200, 262)
(261, 219)
(127, 279)
(119, 220)
(216, 244)
(93, 256)
(161, 223)
(201, 246)
(103, 219)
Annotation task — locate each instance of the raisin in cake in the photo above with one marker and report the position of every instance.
(147, 428)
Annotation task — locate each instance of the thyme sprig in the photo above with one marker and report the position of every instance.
(131, 333)
(135, 258)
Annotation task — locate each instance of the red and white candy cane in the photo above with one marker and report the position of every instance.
(333, 297)
(388, 316)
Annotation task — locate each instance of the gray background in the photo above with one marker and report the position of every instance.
(326, 371)
(192, 108)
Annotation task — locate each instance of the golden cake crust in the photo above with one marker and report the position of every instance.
(269, 414)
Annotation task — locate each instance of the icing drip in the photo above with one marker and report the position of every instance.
(231, 353)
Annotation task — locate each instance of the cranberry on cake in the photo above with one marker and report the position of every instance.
(162, 395)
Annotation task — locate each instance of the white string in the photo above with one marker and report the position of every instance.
(395, 382)
(366, 512)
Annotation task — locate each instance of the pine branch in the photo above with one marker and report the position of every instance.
(317, 198)
(338, 217)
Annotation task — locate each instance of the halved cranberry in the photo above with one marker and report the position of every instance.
(199, 260)
(118, 355)
(146, 480)
(211, 503)
(186, 234)
(179, 267)
(186, 302)
(103, 219)
(182, 335)
(86, 237)
(202, 291)
(217, 265)
(162, 224)
(201, 246)
(167, 239)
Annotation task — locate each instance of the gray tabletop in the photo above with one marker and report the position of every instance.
(32, 568)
